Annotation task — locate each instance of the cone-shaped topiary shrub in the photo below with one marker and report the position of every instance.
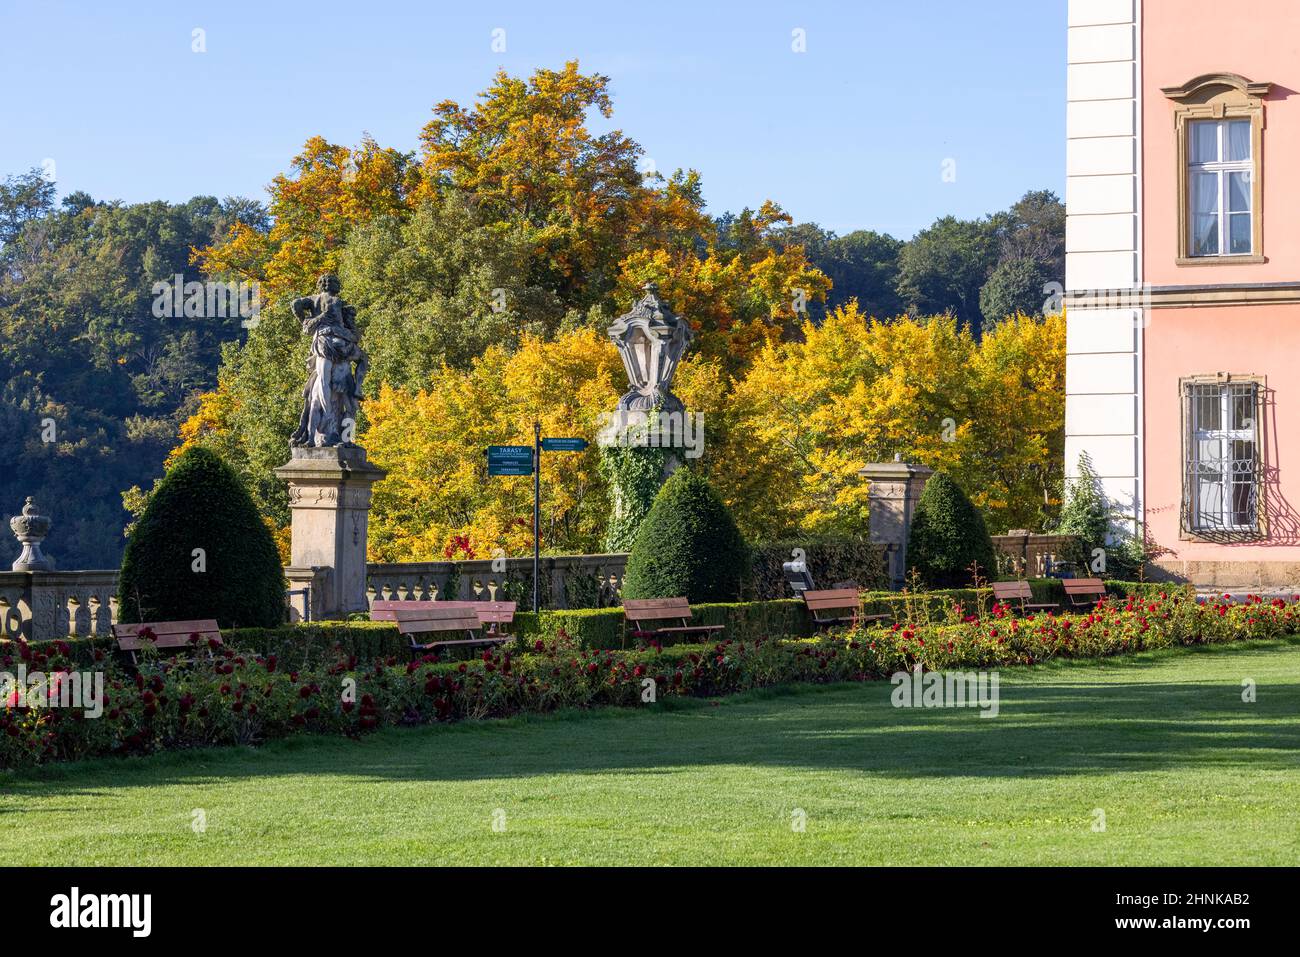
(236, 578)
(948, 534)
(688, 545)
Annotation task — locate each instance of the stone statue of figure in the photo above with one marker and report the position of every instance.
(335, 369)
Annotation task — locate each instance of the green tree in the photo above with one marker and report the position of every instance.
(1031, 257)
(1015, 286)
(200, 550)
(23, 198)
(943, 268)
(440, 287)
(1089, 514)
(1035, 229)
(1086, 512)
(861, 265)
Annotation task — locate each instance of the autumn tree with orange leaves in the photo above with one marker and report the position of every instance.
(485, 266)
(513, 219)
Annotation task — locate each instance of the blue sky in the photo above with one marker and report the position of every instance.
(853, 133)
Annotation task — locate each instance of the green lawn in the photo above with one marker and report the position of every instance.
(1185, 772)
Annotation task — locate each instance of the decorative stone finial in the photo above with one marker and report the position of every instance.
(30, 529)
(651, 339)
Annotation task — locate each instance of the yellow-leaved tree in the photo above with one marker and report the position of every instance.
(1019, 372)
(438, 500)
(809, 414)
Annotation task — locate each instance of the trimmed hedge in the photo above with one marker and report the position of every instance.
(829, 561)
(687, 545)
(603, 627)
(935, 603)
(200, 550)
(948, 536)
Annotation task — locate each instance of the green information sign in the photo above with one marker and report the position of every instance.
(563, 445)
(510, 459)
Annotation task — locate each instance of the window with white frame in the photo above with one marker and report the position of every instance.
(1221, 476)
(1220, 169)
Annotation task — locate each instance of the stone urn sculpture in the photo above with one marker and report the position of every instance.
(651, 340)
(30, 529)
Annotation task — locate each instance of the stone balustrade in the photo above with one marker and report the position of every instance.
(14, 607)
(1035, 556)
(39, 603)
(567, 581)
(42, 605)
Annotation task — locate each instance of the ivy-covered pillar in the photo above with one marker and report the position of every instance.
(645, 438)
(634, 475)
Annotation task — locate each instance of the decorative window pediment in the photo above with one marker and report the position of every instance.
(1219, 123)
(1217, 87)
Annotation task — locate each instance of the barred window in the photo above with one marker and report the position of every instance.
(1221, 457)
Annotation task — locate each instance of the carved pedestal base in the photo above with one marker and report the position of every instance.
(329, 494)
(895, 489)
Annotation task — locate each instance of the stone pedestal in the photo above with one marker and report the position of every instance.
(329, 494)
(895, 489)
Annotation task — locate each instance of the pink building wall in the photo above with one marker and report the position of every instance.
(1182, 39)
(1244, 340)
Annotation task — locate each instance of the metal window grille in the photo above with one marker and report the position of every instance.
(1221, 473)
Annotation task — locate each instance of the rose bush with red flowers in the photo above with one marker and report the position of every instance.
(235, 698)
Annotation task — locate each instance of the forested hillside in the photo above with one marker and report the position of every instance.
(92, 383)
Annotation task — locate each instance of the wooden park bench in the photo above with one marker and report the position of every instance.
(639, 610)
(1022, 594)
(1084, 592)
(832, 607)
(414, 618)
(495, 616)
(166, 635)
(414, 623)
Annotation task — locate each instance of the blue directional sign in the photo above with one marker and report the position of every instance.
(563, 445)
(510, 460)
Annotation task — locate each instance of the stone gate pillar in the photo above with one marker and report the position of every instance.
(895, 489)
(329, 495)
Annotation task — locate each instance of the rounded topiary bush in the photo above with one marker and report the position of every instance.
(200, 550)
(948, 536)
(688, 545)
